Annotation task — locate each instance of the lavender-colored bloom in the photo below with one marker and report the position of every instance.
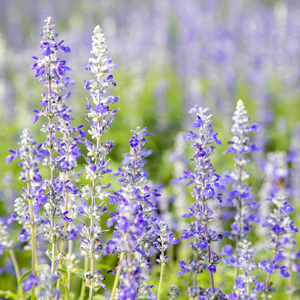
(26, 214)
(163, 242)
(179, 161)
(135, 226)
(243, 260)
(240, 195)
(282, 244)
(205, 187)
(275, 174)
(5, 240)
(23, 236)
(100, 117)
(174, 292)
(29, 281)
(47, 281)
(60, 148)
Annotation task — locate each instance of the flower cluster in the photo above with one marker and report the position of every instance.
(100, 117)
(134, 232)
(282, 231)
(62, 151)
(240, 195)
(244, 262)
(173, 292)
(205, 185)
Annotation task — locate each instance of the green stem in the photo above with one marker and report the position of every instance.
(33, 250)
(82, 292)
(248, 289)
(211, 275)
(70, 248)
(269, 274)
(53, 258)
(117, 277)
(52, 167)
(66, 293)
(161, 276)
(91, 293)
(17, 270)
(240, 208)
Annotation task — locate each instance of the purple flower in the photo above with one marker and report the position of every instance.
(259, 286)
(209, 192)
(240, 193)
(277, 229)
(23, 236)
(284, 272)
(227, 250)
(134, 142)
(202, 179)
(29, 281)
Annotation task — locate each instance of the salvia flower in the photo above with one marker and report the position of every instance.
(163, 242)
(276, 174)
(239, 195)
(52, 71)
(174, 292)
(47, 281)
(28, 206)
(243, 282)
(179, 161)
(5, 241)
(135, 232)
(205, 189)
(282, 244)
(99, 117)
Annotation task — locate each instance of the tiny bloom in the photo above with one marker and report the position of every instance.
(23, 236)
(259, 286)
(212, 268)
(29, 281)
(209, 192)
(216, 139)
(284, 272)
(277, 229)
(227, 250)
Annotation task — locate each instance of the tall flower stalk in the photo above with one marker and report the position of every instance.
(163, 242)
(205, 183)
(134, 231)
(27, 215)
(245, 262)
(100, 117)
(240, 194)
(282, 230)
(51, 71)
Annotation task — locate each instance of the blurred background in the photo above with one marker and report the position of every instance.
(172, 54)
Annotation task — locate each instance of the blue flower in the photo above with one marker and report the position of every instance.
(29, 281)
(23, 236)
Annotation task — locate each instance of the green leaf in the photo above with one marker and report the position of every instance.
(99, 297)
(62, 270)
(24, 275)
(72, 276)
(79, 273)
(102, 266)
(8, 294)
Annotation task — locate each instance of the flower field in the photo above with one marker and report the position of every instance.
(150, 149)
